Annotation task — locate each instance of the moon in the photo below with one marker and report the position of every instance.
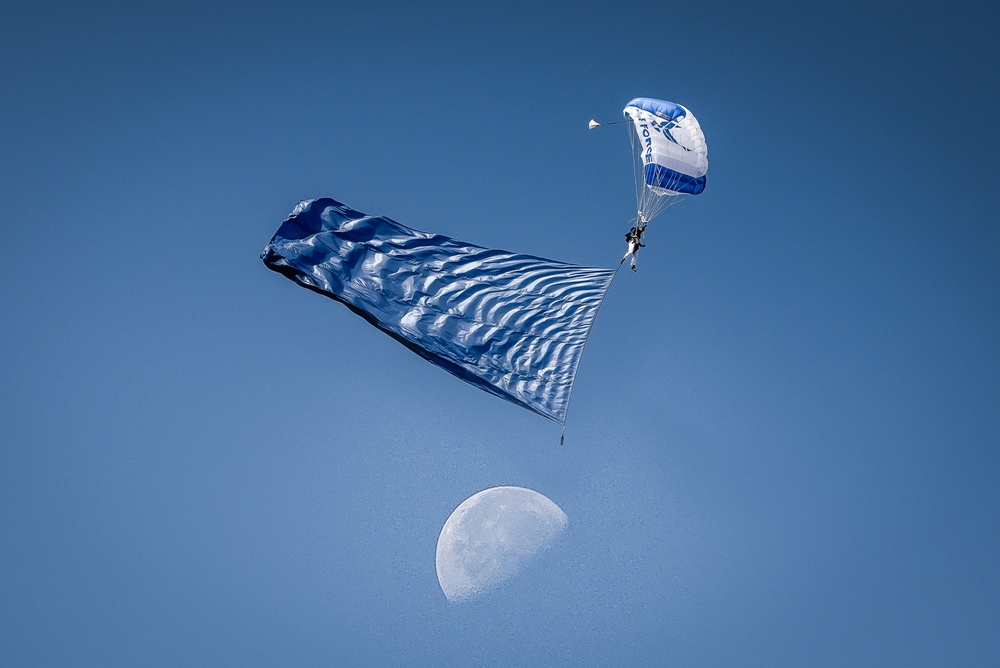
(490, 536)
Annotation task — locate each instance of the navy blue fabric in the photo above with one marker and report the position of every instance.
(659, 176)
(658, 107)
(511, 324)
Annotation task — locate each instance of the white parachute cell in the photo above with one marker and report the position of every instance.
(669, 152)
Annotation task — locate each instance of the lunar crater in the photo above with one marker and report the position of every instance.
(490, 536)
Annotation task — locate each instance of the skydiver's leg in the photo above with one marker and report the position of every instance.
(632, 248)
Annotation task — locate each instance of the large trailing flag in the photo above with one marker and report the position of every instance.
(511, 324)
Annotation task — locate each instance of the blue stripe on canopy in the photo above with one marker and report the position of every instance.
(659, 176)
(658, 107)
(513, 325)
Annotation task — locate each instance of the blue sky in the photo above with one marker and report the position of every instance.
(782, 447)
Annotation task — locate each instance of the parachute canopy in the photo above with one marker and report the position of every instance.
(513, 325)
(669, 152)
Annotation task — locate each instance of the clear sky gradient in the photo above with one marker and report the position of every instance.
(783, 442)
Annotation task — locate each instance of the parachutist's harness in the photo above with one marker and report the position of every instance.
(635, 234)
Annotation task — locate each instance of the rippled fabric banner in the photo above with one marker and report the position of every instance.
(511, 324)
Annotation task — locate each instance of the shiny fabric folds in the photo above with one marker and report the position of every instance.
(513, 325)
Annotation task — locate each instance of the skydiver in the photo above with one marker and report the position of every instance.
(634, 239)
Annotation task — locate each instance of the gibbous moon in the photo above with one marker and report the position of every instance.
(490, 536)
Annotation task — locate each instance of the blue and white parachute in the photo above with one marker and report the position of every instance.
(670, 155)
(511, 324)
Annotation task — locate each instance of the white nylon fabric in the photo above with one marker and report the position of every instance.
(686, 154)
